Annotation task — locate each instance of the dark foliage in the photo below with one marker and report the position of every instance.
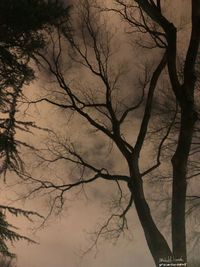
(22, 32)
(23, 25)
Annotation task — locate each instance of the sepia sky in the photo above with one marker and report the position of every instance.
(62, 241)
(64, 237)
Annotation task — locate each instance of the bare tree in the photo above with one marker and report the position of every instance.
(107, 105)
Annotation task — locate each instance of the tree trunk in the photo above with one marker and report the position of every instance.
(157, 244)
(185, 98)
(179, 162)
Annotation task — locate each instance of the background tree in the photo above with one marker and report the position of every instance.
(22, 27)
(6, 262)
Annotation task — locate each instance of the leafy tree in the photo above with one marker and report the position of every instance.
(22, 32)
(107, 104)
(6, 262)
(6, 232)
(23, 25)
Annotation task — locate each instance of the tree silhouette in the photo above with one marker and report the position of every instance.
(5, 262)
(22, 32)
(22, 26)
(107, 104)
